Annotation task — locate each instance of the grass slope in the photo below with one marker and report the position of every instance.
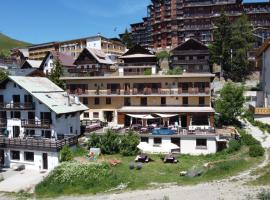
(7, 43)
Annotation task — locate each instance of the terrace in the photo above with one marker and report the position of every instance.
(31, 123)
(37, 143)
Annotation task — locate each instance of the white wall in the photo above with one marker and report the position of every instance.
(48, 65)
(188, 146)
(94, 43)
(37, 164)
(266, 74)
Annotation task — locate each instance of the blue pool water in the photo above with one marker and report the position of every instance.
(163, 131)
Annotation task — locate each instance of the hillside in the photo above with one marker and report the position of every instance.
(7, 43)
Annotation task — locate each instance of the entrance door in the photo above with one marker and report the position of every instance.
(108, 116)
(16, 131)
(45, 160)
(184, 121)
(2, 157)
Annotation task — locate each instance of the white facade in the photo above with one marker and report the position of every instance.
(36, 121)
(187, 145)
(48, 64)
(94, 43)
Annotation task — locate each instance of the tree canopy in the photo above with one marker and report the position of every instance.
(126, 39)
(56, 73)
(232, 42)
(230, 103)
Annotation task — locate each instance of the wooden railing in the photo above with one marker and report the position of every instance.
(37, 144)
(17, 106)
(31, 123)
(262, 111)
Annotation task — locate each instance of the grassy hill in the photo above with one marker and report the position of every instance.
(7, 43)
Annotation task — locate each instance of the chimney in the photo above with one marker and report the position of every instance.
(68, 100)
(77, 101)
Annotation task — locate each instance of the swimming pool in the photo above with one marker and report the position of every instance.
(163, 131)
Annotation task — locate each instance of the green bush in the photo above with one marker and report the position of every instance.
(256, 151)
(129, 144)
(162, 55)
(234, 145)
(249, 140)
(148, 72)
(65, 154)
(264, 195)
(175, 71)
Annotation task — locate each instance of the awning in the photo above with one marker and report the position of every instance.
(142, 116)
(166, 115)
(164, 148)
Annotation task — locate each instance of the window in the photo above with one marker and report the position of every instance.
(30, 133)
(85, 100)
(71, 130)
(97, 101)
(201, 101)
(96, 115)
(46, 134)
(2, 98)
(144, 101)
(127, 101)
(185, 100)
(15, 114)
(145, 139)
(16, 98)
(15, 155)
(157, 141)
(108, 101)
(201, 143)
(29, 156)
(31, 115)
(86, 115)
(14, 85)
(163, 101)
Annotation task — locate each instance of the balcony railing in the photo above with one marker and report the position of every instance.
(37, 144)
(3, 123)
(17, 106)
(260, 111)
(147, 91)
(31, 123)
(138, 64)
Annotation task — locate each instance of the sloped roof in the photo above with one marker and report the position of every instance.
(264, 47)
(21, 72)
(99, 55)
(33, 63)
(65, 59)
(191, 44)
(49, 94)
(137, 49)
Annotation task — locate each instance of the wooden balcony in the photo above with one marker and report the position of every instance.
(260, 111)
(17, 106)
(37, 144)
(42, 124)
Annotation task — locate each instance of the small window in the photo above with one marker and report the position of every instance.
(86, 115)
(14, 85)
(201, 101)
(157, 141)
(108, 101)
(97, 101)
(15, 114)
(145, 139)
(29, 156)
(15, 155)
(185, 101)
(85, 100)
(46, 134)
(71, 130)
(96, 115)
(163, 101)
(30, 133)
(201, 143)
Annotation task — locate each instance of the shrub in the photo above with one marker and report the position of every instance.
(264, 195)
(162, 55)
(256, 151)
(249, 140)
(65, 154)
(148, 72)
(234, 145)
(93, 141)
(175, 71)
(129, 144)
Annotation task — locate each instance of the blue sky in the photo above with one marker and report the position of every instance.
(38, 21)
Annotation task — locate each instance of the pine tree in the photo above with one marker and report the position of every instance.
(242, 42)
(56, 73)
(220, 48)
(126, 39)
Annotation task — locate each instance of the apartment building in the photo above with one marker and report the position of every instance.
(135, 98)
(39, 51)
(174, 20)
(37, 118)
